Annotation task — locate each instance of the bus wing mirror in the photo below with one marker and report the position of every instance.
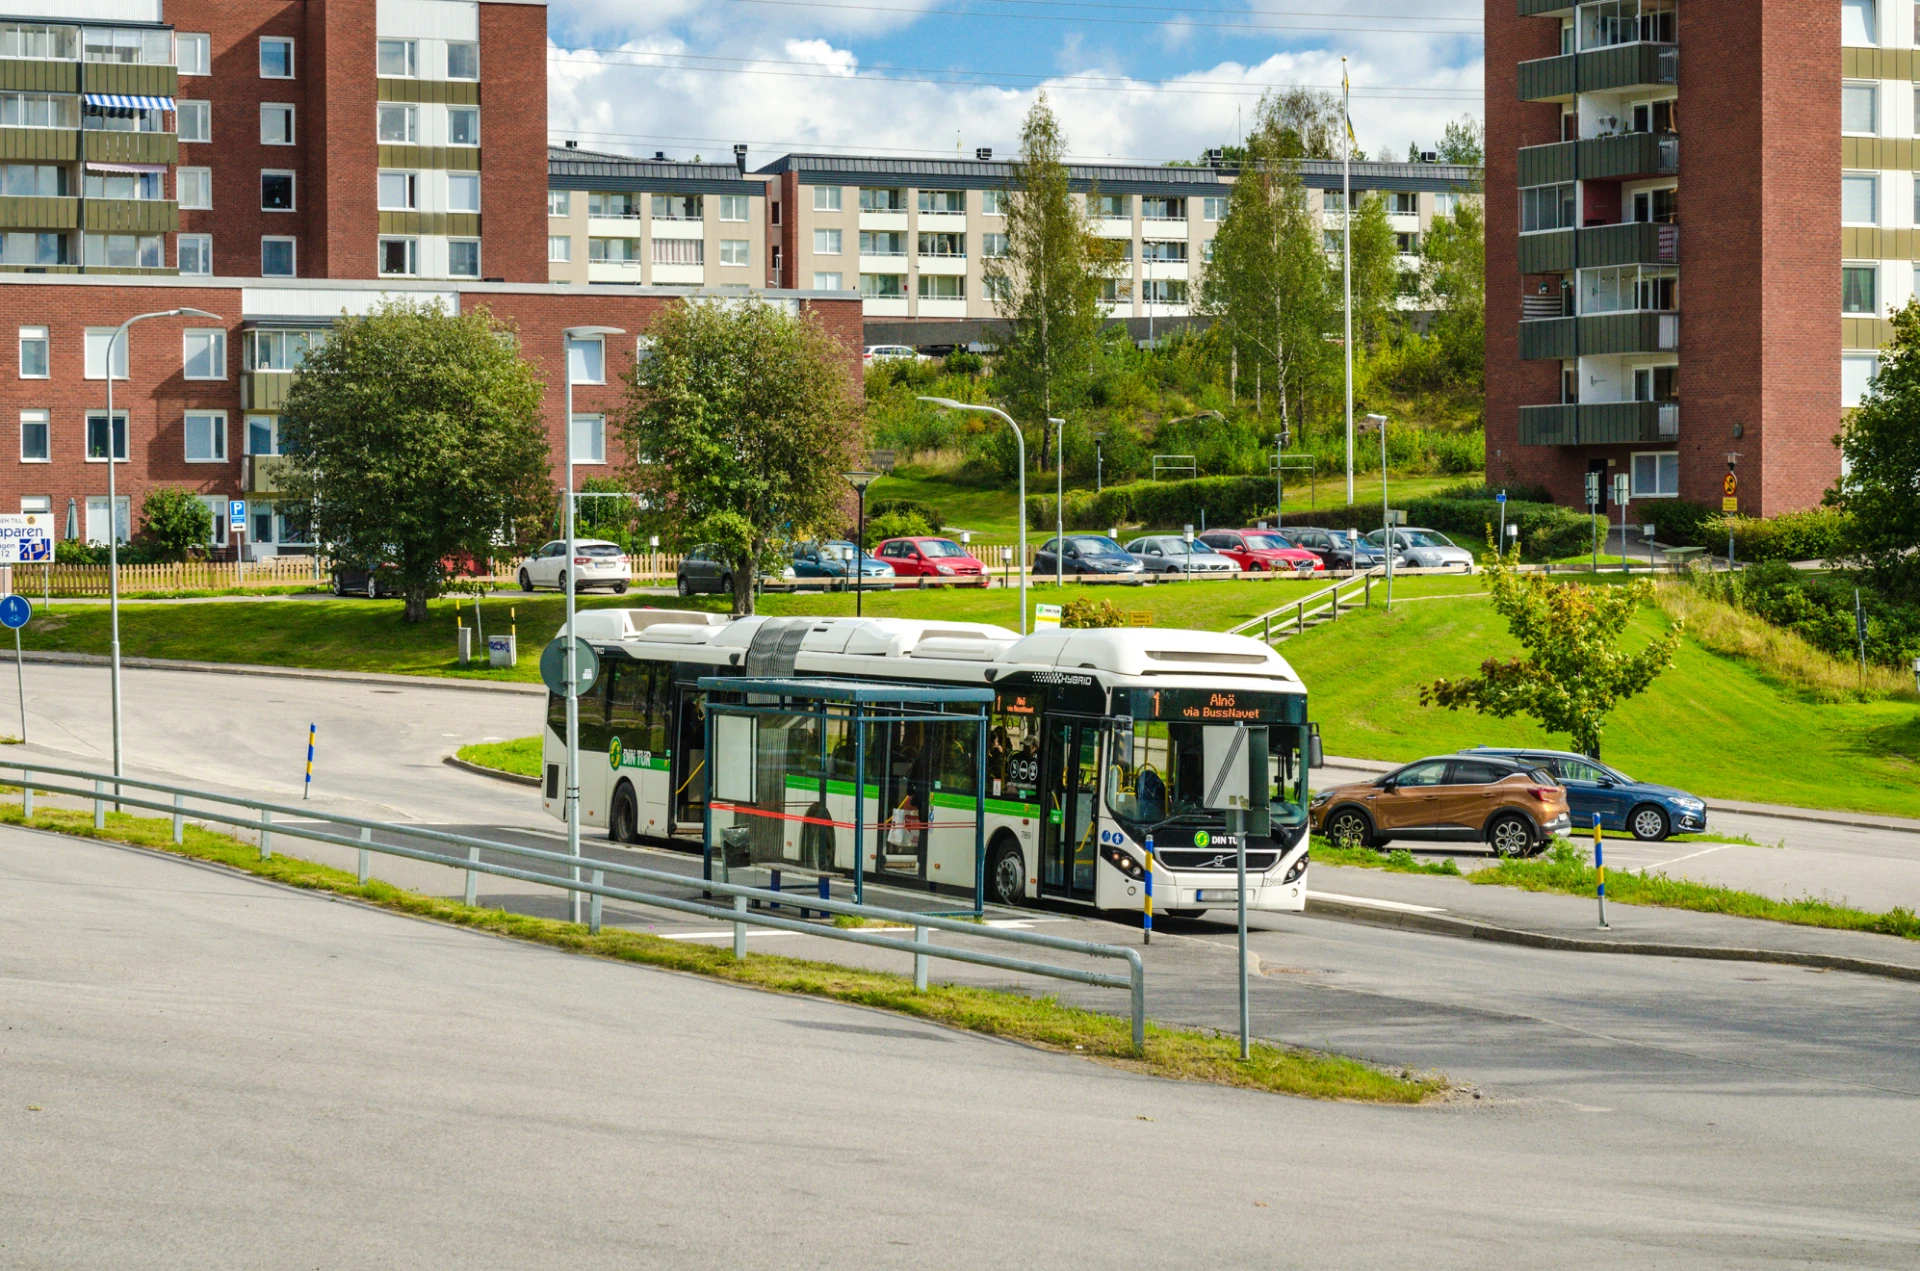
(1316, 757)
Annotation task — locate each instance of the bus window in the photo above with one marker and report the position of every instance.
(958, 764)
(657, 699)
(1287, 794)
(1155, 774)
(627, 703)
(1013, 758)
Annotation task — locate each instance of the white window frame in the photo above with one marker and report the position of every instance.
(293, 251)
(41, 418)
(99, 340)
(559, 249)
(276, 107)
(120, 516)
(201, 112)
(831, 200)
(469, 44)
(293, 204)
(121, 441)
(43, 337)
(475, 112)
(1873, 20)
(1873, 363)
(200, 182)
(463, 179)
(412, 245)
(834, 236)
(991, 203)
(1872, 266)
(205, 243)
(408, 111)
(596, 453)
(829, 280)
(411, 50)
(185, 40)
(559, 202)
(1872, 181)
(1633, 474)
(1873, 89)
(591, 353)
(389, 176)
(218, 436)
(741, 247)
(257, 420)
(456, 242)
(292, 66)
(216, 342)
(217, 518)
(730, 203)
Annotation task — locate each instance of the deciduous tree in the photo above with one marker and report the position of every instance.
(1881, 448)
(173, 522)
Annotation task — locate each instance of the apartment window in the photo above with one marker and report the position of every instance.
(1206, 252)
(398, 58)
(399, 125)
(559, 248)
(1657, 207)
(282, 350)
(679, 251)
(194, 120)
(1110, 206)
(1164, 291)
(276, 58)
(773, 213)
(127, 45)
(463, 257)
(1403, 203)
(1655, 116)
(615, 205)
(1857, 373)
(733, 207)
(399, 257)
(1860, 108)
(1859, 198)
(943, 244)
(45, 43)
(195, 187)
(1656, 383)
(463, 59)
(993, 202)
(589, 441)
(97, 436)
(826, 242)
(1112, 290)
(97, 518)
(124, 185)
(206, 436)
(829, 282)
(1657, 475)
(277, 258)
(263, 434)
(676, 207)
(36, 444)
(1859, 24)
(276, 191)
(559, 202)
(826, 198)
(1330, 242)
(613, 250)
(943, 201)
(883, 286)
(1407, 244)
(98, 338)
(276, 124)
(194, 253)
(1173, 251)
(463, 126)
(587, 361)
(193, 54)
(733, 251)
(216, 505)
(39, 110)
(942, 287)
(1445, 203)
(1330, 201)
(993, 246)
(882, 243)
(34, 359)
(1546, 207)
(1162, 209)
(204, 354)
(20, 247)
(399, 191)
(463, 191)
(34, 180)
(1858, 289)
(876, 200)
(1213, 208)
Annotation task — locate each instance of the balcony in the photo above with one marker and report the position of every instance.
(1637, 243)
(1635, 331)
(137, 216)
(1599, 424)
(265, 390)
(32, 75)
(1633, 154)
(22, 211)
(40, 145)
(263, 474)
(1599, 70)
(131, 147)
(1544, 8)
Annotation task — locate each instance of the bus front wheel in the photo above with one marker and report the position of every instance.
(623, 820)
(1007, 877)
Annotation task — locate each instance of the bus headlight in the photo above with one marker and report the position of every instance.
(1123, 862)
(1297, 869)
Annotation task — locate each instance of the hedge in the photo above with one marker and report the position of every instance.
(1818, 534)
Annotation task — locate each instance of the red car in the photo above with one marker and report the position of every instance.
(1262, 549)
(931, 558)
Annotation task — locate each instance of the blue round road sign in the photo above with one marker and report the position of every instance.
(14, 611)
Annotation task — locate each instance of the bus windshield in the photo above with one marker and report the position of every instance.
(1155, 776)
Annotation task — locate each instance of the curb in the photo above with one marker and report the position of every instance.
(1466, 929)
(285, 673)
(480, 770)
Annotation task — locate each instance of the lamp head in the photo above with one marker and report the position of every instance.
(1057, 423)
(860, 480)
(196, 313)
(587, 333)
(945, 403)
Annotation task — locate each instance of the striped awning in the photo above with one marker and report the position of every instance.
(96, 166)
(126, 102)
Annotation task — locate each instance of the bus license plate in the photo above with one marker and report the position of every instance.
(1217, 896)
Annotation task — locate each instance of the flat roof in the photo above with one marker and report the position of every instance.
(1116, 178)
(856, 692)
(571, 168)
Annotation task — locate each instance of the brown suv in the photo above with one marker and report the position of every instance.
(1512, 807)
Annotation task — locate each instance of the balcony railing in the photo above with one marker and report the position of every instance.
(1633, 154)
(1599, 70)
(1599, 423)
(1635, 243)
(1634, 331)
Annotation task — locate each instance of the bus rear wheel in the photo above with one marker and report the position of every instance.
(1007, 875)
(623, 819)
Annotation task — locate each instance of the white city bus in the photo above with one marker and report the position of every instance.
(1094, 744)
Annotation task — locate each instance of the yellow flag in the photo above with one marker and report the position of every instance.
(1346, 111)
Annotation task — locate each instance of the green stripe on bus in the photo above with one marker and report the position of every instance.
(941, 799)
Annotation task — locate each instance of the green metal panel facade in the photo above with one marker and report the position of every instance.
(265, 390)
(1600, 333)
(1538, 8)
(1547, 338)
(454, 92)
(42, 145)
(445, 158)
(24, 212)
(132, 147)
(1549, 253)
(131, 79)
(30, 75)
(143, 216)
(1597, 424)
(1598, 71)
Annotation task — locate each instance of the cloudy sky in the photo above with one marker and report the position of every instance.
(1131, 80)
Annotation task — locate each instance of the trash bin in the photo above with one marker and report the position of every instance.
(503, 650)
(465, 635)
(736, 846)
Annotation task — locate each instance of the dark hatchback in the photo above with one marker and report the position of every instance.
(1646, 811)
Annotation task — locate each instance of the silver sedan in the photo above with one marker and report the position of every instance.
(1170, 554)
(1426, 549)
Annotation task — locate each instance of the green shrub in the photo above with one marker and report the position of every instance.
(1681, 524)
(1819, 534)
(963, 362)
(1819, 608)
(1087, 612)
(896, 525)
(877, 508)
(173, 522)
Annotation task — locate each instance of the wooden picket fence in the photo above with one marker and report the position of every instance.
(74, 582)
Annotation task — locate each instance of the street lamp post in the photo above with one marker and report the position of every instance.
(1020, 444)
(1386, 517)
(860, 480)
(585, 338)
(1059, 501)
(113, 508)
(1099, 464)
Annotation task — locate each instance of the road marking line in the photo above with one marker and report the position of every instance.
(1690, 855)
(1370, 903)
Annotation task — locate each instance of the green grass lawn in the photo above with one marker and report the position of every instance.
(1711, 724)
(521, 756)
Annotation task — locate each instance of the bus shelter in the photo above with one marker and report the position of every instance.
(870, 781)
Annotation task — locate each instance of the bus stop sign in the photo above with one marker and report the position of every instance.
(553, 666)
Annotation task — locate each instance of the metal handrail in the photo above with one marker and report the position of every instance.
(1299, 607)
(110, 790)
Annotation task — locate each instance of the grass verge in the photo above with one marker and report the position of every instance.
(1180, 1054)
(521, 756)
(1565, 868)
(1398, 861)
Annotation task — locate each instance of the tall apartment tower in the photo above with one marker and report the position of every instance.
(1624, 337)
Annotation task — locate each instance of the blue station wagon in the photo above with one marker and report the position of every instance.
(1646, 811)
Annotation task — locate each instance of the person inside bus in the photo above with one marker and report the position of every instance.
(998, 748)
(1150, 795)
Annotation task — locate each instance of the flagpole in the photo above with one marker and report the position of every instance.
(1346, 261)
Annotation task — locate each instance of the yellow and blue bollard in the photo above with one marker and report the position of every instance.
(306, 791)
(1600, 868)
(1149, 913)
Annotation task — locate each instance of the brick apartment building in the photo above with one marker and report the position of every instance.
(1622, 337)
(278, 162)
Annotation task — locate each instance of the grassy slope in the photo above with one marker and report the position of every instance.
(1711, 724)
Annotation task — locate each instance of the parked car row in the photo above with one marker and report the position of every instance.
(1512, 799)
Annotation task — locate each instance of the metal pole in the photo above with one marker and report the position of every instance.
(572, 806)
(20, 675)
(1346, 262)
(980, 818)
(365, 870)
(1060, 499)
(1147, 923)
(860, 803)
(1600, 869)
(593, 909)
(179, 824)
(859, 550)
(306, 791)
(473, 879)
(1238, 820)
(1386, 517)
(113, 544)
(921, 935)
(1279, 481)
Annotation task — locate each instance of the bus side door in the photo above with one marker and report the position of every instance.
(1070, 783)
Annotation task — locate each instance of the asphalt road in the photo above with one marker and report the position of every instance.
(201, 1069)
